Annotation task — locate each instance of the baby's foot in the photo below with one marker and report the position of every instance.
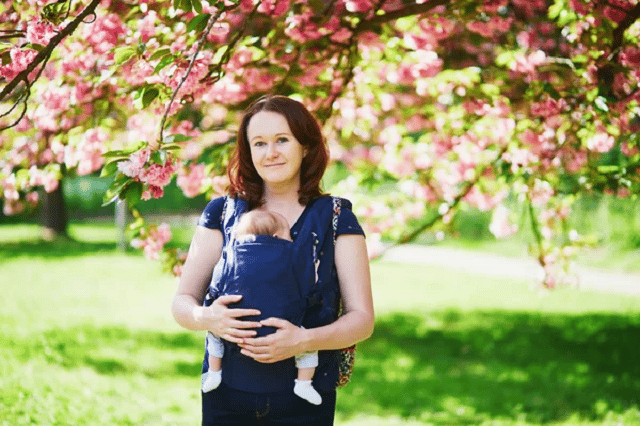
(211, 380)
(305, 391)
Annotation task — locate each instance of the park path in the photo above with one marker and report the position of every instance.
(495, 265)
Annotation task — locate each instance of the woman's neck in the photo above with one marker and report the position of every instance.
(281, 195)
(284, 202)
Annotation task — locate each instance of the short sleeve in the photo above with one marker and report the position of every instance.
(211, 217)
(348, 223)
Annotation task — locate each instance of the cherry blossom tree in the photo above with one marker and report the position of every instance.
(432, 105)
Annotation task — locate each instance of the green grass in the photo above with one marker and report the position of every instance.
(87, 338)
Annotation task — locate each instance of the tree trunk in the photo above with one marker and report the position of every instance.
(54, 214)
(121, 224)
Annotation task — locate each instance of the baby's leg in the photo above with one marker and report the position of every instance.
(212, 378)
(307, 364)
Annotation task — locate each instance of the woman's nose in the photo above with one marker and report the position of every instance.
(272, 150)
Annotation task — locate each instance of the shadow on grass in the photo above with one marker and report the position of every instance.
(455, 368)
(442, 368)
(52, 249)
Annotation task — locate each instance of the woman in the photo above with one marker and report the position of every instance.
(279, 160)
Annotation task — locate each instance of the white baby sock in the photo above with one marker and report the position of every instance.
(211, 380)
(305, 391)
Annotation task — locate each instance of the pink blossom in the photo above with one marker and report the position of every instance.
(154, 242)
(104, 32)
(500, 226)
(147, 26)
(341, 36)
(12, 207)
(177, 270)
(600, 142)
(190, 180)
(580, 7)
(90, 149)
(20, 60)
(549, 107)
(219, 32)
(630, 57)
(32, 198)
(541, 193)
(527, 64)
(152, 191)
(10, 191)
(358, 6)
(219, 184)
(615, 14)
(158, 175)
(134, 166)
(40, 32)
(274, 8)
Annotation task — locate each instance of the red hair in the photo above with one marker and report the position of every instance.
(245, 181)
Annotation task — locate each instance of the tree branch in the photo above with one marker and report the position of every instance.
(618, 33)
(55, 41)
(212, 20)
(408, 237)
(44, 54)
(415, 9)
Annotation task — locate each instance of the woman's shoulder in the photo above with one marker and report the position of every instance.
(211, 217)
(347, 220)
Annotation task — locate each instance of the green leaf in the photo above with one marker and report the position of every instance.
(185, 5)
(133, 148)
(116, 153)
(579, 59)
(176, 138)
(159, 54)
(115, 189)
(123, 54)
(608, 169)
(171, 147)
(198, 23)
(159, 156)
(110, 168)
(133, 193)
(197, 5)
(164, 62)
(149, 95)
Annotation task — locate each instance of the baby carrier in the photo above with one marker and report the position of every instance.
(298, 283)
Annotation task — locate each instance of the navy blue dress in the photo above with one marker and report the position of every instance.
(278, 277)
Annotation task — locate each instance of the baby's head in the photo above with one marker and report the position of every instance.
(262, 222)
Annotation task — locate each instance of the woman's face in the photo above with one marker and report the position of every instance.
(276, 153)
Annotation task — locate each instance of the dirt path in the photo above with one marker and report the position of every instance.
(527, 269)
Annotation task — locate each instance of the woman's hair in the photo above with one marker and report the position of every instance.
(245, 181)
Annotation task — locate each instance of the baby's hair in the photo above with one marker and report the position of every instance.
(260, 222)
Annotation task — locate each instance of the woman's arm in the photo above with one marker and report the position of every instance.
(352, 264)
(187, 309)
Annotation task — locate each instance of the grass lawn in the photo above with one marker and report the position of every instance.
(87, 338)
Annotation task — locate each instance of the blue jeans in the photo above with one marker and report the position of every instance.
(226, 406)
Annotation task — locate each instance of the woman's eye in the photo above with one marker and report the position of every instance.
(283, 140)
(258, 143)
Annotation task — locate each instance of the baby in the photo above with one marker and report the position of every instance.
(260, 222)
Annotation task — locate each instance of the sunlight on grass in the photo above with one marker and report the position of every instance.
(83, 323)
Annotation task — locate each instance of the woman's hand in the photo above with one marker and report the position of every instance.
(286, 342)
(225, 321)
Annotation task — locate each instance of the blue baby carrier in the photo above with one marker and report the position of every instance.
(293, 280)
